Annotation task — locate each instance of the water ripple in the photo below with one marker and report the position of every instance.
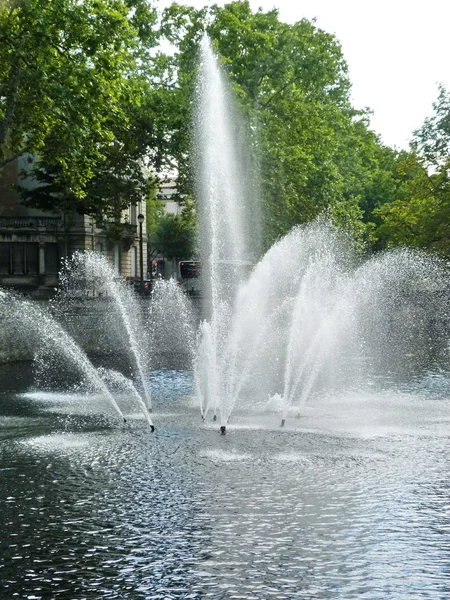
(108, 512)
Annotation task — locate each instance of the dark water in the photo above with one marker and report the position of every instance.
(353, 501)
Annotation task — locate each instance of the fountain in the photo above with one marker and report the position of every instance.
(41, 332)
(91, 271)
(307, 318)
(143, 331)
(140, 332)
(225, 237)
(311, 312)
(116, 380)
(349, 501)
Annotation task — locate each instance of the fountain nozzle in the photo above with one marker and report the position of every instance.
(223, 429)
(283, 421)
(152, 428)
(215, 418)
(124, 420)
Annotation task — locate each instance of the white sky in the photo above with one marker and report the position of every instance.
(397, 52)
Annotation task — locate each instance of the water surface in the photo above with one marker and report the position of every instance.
(350, 501)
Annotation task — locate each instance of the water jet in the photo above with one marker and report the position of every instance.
(309, 316)
(312, 315)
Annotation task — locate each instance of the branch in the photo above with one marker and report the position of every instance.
(277, 93)
(10, 159)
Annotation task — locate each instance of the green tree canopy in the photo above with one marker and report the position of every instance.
(174, 237)
(86, 90)
(419, 213)
(69, 80)
(313, 149)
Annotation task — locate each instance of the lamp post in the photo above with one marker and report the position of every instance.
(141, 219)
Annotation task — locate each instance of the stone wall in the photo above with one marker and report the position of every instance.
(95, 325)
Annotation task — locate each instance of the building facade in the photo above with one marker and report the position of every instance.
(33, 244)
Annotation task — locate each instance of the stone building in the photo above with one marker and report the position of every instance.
(33, 243)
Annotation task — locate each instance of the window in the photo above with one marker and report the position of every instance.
(189, 269)
(116, 259)
(31, 259)
(133, 214)
(19, 258)
(52, 258)
(5, 258)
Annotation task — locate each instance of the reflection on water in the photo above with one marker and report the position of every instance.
(351, 501)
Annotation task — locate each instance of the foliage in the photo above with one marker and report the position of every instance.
(96, 105)
(174, 237)
(115, 183)
(69, 82)
(348, 216)
(432, 140)
(313, 150)
(419, 215)
(154, 212)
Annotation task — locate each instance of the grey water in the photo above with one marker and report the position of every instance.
(352, 501)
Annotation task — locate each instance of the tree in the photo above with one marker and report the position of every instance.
(174, 237)
(115, 183)
(432, 141)
(69, 79)
(313, 150)
(419, 214)
(419, 217)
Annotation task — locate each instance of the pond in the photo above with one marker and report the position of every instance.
(350, 501)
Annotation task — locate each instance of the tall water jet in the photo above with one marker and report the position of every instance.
(224, 239)
(312, 313)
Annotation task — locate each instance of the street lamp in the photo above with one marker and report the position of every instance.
(141, 220)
